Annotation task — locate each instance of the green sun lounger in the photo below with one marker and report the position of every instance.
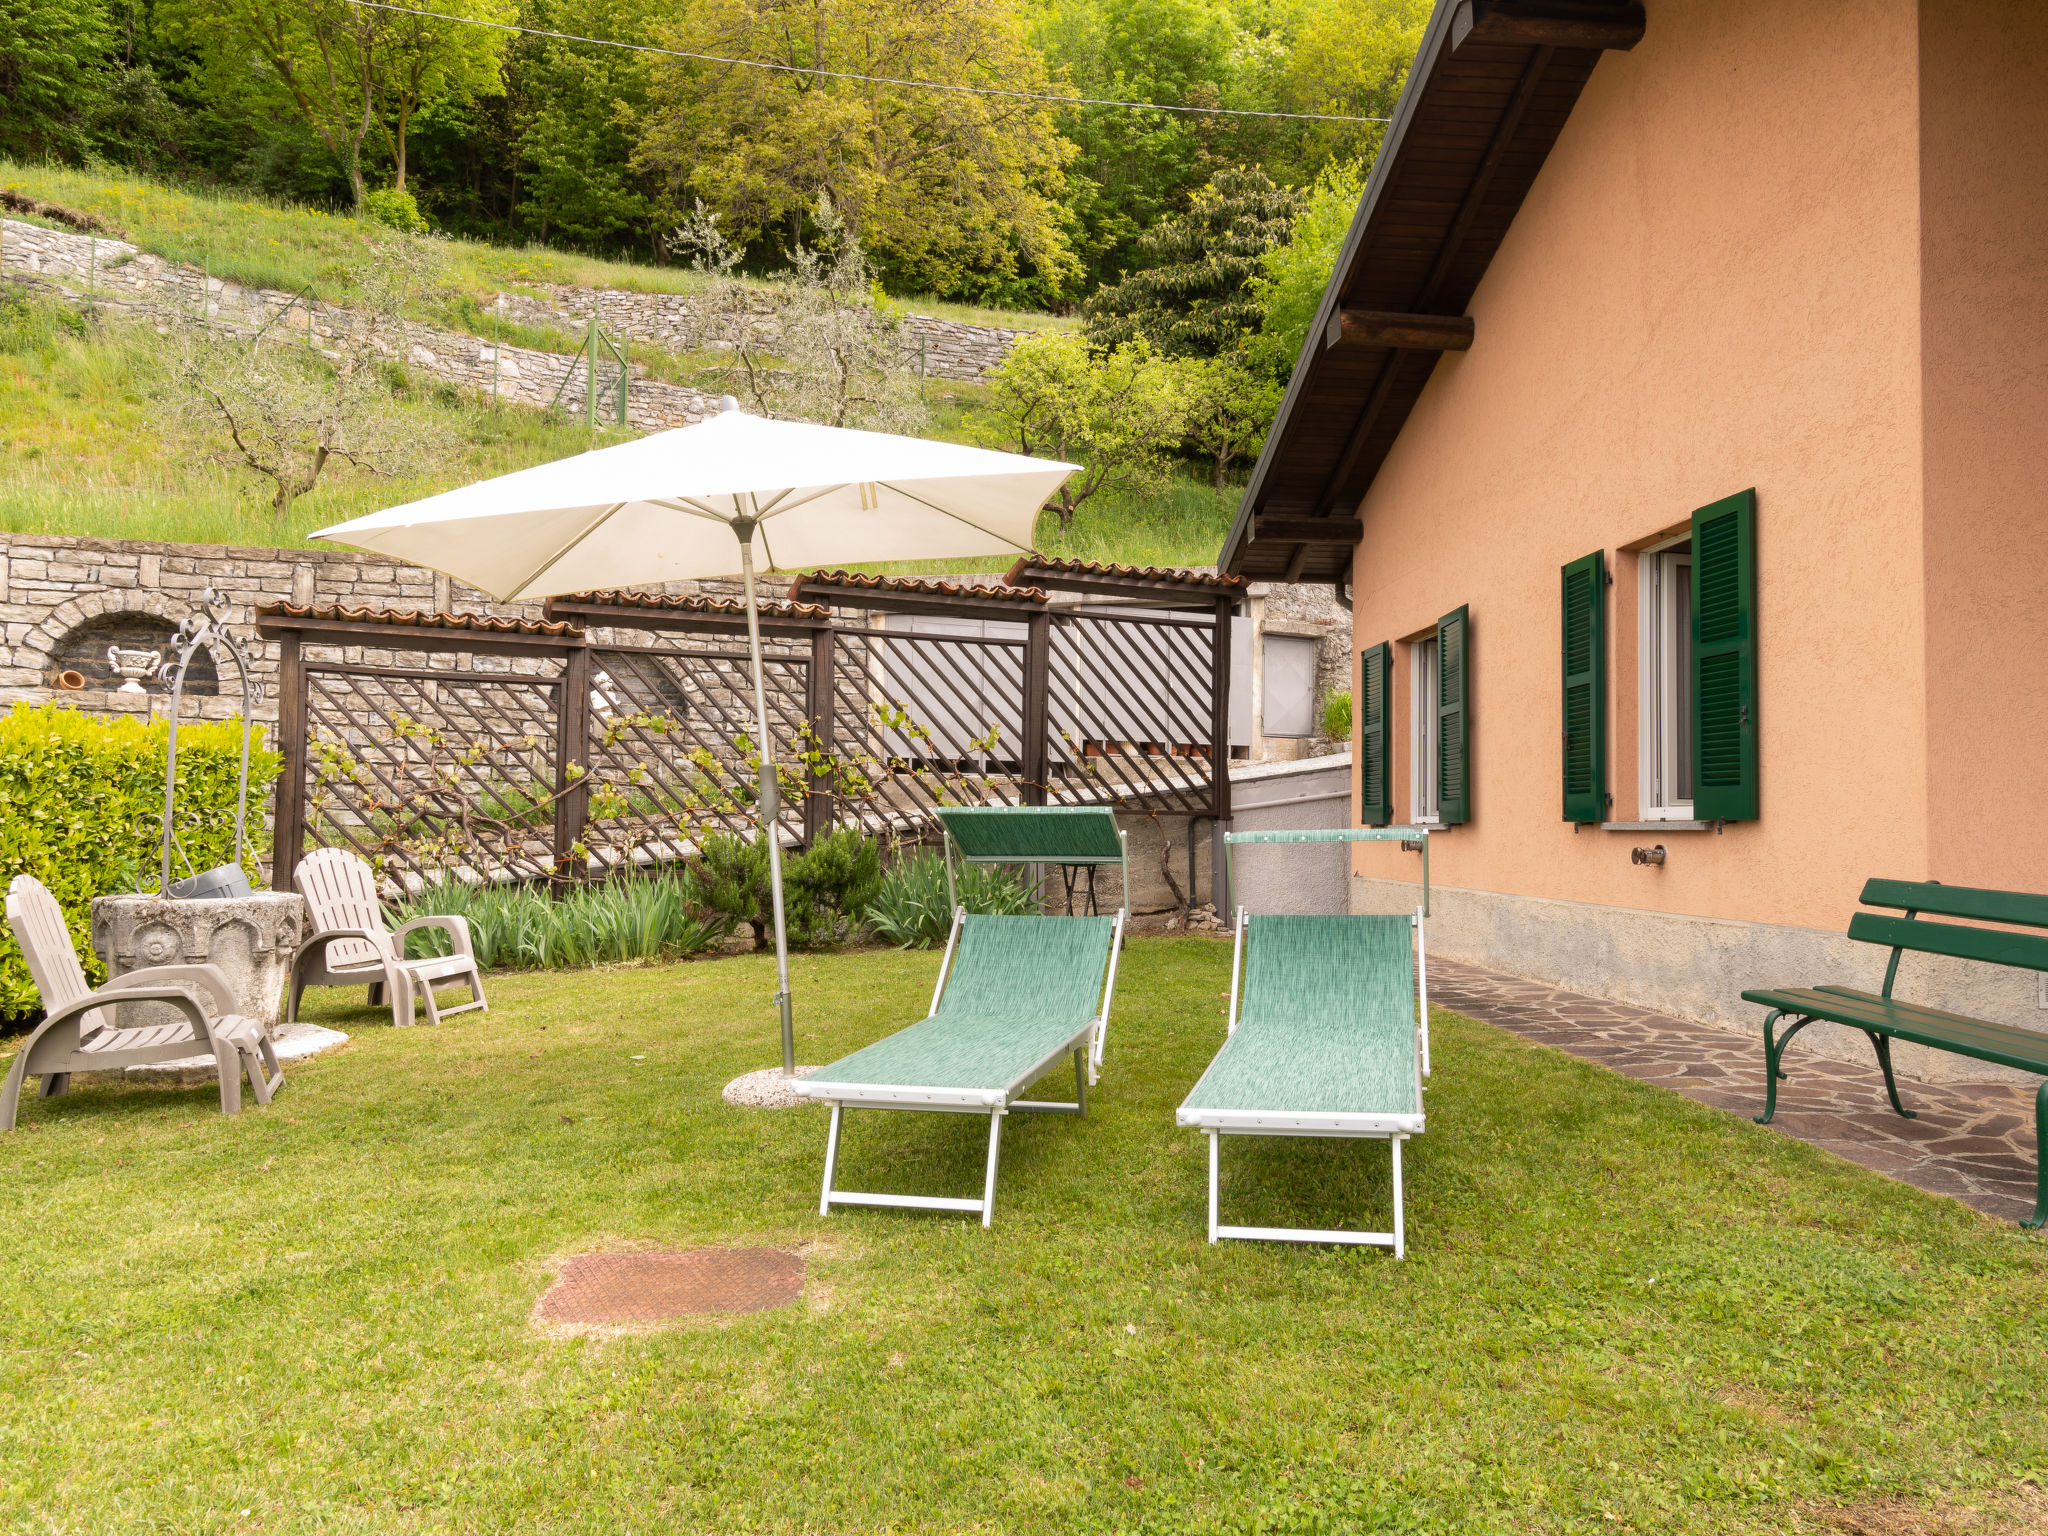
(1016, 997)
(1328, 1036)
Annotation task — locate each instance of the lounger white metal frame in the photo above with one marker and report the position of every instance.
(1394, 1129)
(1085, 1046)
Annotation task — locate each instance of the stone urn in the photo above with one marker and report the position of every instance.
(252, 939)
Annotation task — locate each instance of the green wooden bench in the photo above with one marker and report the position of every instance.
(1883, 1018)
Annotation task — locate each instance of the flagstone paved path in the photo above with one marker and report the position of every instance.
(1972, 1141)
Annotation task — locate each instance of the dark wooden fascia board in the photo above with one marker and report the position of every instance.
(1159, 595)
(1414, 333)
(936, 605)
(1547, 24)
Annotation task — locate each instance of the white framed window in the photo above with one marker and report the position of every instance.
(1424, 725)
(1664, 683)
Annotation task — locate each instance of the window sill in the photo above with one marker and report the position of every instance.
(1658, 826)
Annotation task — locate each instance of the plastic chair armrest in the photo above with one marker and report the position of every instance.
(207, 980)
(456, 927)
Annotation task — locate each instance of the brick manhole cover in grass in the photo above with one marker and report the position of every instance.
(621, 1289)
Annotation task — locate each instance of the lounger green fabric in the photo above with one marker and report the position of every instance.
(1330, 1038)
(1020, 991)
(1016, 996)
(1326, 1032)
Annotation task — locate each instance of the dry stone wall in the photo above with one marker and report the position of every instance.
(115, 278)
(934, 348)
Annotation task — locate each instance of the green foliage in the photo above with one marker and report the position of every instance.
(947, 191)
(1337, 715)
(1116, 413)
(54, 64)
(522, 927)
(1230, 406)
(825, 889)
(1292, 277)
(1188, 293)
(394, 208)
(81, 809)
(911, 909)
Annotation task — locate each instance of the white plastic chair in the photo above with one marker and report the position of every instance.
(350, 944)
(79, 1032)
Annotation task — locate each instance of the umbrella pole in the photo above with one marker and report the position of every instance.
(770, 801)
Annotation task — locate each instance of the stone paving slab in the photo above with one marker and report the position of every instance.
(1971, 1141)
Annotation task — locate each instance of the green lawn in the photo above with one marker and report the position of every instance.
(1621, 1311)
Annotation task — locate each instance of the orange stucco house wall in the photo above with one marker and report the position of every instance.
(1802, 249)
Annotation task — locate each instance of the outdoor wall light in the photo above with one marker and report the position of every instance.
(1647, 855)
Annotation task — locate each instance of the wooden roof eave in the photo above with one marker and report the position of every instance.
(1312, 345)
(1505, 99)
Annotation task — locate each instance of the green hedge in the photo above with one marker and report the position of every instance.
(81, 809)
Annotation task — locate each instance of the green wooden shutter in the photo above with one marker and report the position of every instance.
(1724, 757)
(1585, 688)
(1454, 717)
(1375, 739)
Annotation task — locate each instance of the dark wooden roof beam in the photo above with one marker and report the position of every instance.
(1547, 24)
(1307, 530)
(1383, 328)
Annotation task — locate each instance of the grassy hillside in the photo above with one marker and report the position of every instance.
(86, 447)
(272, 245)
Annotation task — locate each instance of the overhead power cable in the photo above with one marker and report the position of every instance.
(843, 74)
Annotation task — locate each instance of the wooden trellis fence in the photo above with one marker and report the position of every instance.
(620, 727)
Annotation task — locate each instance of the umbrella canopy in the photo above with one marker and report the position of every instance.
(690, 503)
(649, 511)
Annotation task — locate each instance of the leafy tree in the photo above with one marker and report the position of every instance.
(1189, 296)
(268, 405)
(357, 77)
(53, 74)
(1118, 412)
(1291, 278)
(947, 191)
(578, 111)
(1134, 167)
(1348, 58)
(1230, 406)
(836, 355)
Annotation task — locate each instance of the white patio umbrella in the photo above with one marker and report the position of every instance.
(681, 505)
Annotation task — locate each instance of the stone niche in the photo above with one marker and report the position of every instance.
(252, 939)
(84, 651)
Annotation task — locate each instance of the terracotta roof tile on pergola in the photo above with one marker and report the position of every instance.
(654, 610)
(910, 594)
(1170, 586)
(415, 618)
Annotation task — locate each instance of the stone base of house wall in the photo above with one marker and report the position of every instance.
(1697, 967)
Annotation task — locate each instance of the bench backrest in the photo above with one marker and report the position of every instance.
(1997, 946)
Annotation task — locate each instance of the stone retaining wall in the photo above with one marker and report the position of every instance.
(935, 348)
(116, 278)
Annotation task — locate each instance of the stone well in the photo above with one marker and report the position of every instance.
(252, 939)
